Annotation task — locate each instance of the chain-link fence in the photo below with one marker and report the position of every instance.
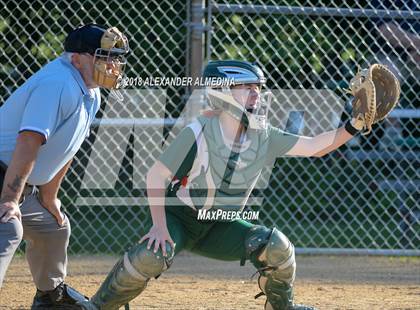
(360, 198)
(365, 195)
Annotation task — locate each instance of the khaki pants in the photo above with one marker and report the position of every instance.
(46, 244)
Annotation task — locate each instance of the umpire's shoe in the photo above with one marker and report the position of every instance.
(61, 298)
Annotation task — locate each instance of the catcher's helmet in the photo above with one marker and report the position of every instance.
(239, 73)
(109, 47)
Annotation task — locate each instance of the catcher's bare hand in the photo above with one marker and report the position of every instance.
(159, 235)
(9, 209)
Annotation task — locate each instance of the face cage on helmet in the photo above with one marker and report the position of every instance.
(255, 119)
(109, 68)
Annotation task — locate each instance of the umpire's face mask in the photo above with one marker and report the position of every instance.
(110, 61)
(108, 69)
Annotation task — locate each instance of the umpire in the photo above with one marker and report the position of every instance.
(42, 126)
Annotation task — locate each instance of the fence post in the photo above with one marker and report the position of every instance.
(197, 30)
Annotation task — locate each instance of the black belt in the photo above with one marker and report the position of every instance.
(3, 169)
(27, 190)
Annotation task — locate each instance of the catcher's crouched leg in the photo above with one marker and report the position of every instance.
(273, 255)
(129, 277)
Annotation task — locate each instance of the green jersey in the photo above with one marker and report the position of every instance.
(210, 172)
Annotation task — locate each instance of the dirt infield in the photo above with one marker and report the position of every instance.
(199, 283)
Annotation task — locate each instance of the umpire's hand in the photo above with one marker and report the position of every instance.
(53, 206)
(9, 209)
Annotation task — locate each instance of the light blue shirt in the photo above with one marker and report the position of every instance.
(56, 103)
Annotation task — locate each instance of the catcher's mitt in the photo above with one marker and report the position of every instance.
(376, 91)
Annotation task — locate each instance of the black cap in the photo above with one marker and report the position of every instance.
(84, 39)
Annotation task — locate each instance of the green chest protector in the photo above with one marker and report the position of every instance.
(222, 176)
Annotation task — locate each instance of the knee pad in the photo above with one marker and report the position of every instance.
(255, 240)
(130, 276)
(273, 255)
(271, 252)
(278, 256)
(143, 262)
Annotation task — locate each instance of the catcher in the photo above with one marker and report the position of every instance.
(214, 164)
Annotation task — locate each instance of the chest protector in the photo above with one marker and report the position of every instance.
(222, 177)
